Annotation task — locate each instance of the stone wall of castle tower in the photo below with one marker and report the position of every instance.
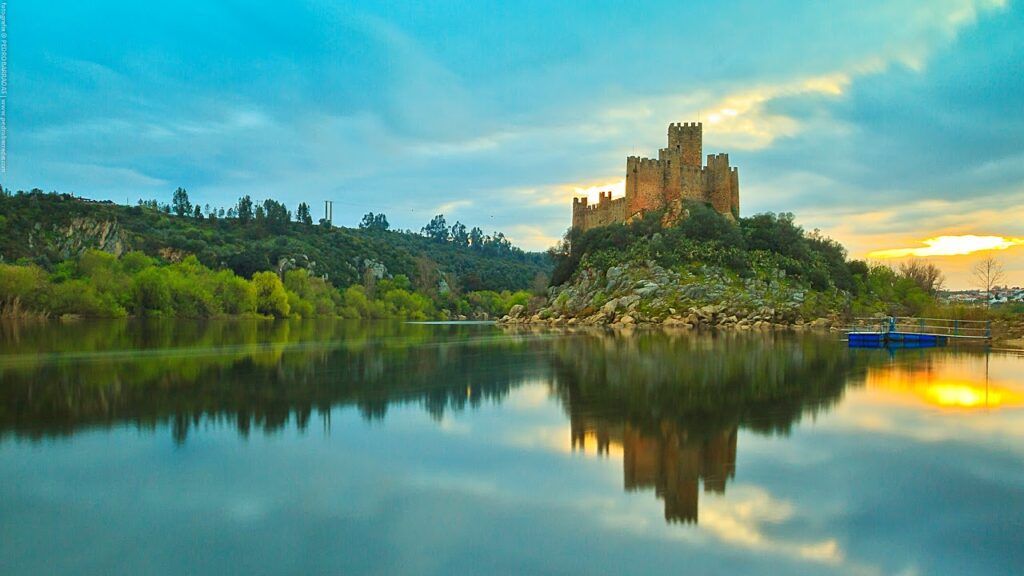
(671, 159)
(645, 185)
(718, 183)
(687, 138)
(579, 211)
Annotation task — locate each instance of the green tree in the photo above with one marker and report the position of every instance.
(373, 221)
(705, 223)
(271, 297)
(236, 296)
(476, 238)
(276, 216)
(151, 292)
(459, 235)
(243, 210)
(180, 203)
(436, 229)
(302, 214)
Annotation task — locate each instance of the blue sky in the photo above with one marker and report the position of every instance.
(881, 122)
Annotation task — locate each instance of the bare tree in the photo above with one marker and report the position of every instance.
(987, 274)
(926, 275)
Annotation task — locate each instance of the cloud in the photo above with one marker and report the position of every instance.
(950, 246)
(854, 116)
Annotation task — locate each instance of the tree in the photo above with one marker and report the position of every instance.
(302, 214)
(926, 275)
(373, 221)
(459, 235)
(476, 237)
(704, 223)
(436, 229)
(271, 297)
(276, 215)
(987, 274)
(243, 210)
(180, 203)
(198, 212)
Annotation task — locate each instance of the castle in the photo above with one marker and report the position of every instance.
(666, 183)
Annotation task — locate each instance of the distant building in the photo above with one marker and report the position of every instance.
(666, 183)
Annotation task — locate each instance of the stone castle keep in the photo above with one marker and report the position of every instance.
(666, 183)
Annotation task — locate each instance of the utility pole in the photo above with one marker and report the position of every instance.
(329, 211)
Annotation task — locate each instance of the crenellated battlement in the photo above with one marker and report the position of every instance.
(663, 183)
(606, 211)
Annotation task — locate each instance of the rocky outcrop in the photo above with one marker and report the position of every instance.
(647, 294)
(83, 234)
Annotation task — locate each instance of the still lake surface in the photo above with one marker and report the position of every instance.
(333, 447)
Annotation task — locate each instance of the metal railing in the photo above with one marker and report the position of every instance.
(949, 327)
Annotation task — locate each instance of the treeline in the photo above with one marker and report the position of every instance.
(250, 236)
(100, 285)
(770, 247)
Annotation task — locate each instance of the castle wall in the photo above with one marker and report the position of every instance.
(604, 213)
(645, 188)
(691, 183)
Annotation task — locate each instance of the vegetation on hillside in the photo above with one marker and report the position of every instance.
(769, 248)
(100, 285)
(250, 237)
(183, 260)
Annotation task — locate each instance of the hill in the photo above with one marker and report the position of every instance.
(760, 271)
(48, 228)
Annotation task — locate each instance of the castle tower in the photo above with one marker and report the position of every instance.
(686, 140)
(579, 213)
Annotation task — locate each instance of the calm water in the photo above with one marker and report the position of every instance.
(260, 448)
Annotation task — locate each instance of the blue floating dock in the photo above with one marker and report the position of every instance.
(894, 339)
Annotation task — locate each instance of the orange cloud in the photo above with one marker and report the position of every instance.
(951, 246)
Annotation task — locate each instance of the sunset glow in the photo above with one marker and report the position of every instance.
(951, 246)
(954, 391)
(618, 189)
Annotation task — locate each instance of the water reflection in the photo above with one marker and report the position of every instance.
(963, 381)
(252, 374)
(672, 406)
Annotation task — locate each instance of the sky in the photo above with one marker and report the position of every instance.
(882, 123)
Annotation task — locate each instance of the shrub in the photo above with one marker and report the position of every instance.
(271, 298)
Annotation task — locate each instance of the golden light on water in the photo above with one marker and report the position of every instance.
(951, 390)
(951, 246)
(968, 395)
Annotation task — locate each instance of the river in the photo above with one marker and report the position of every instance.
(333, 447)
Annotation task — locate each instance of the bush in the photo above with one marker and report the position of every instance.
(271, 297)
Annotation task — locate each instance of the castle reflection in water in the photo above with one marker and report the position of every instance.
(667, 460)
